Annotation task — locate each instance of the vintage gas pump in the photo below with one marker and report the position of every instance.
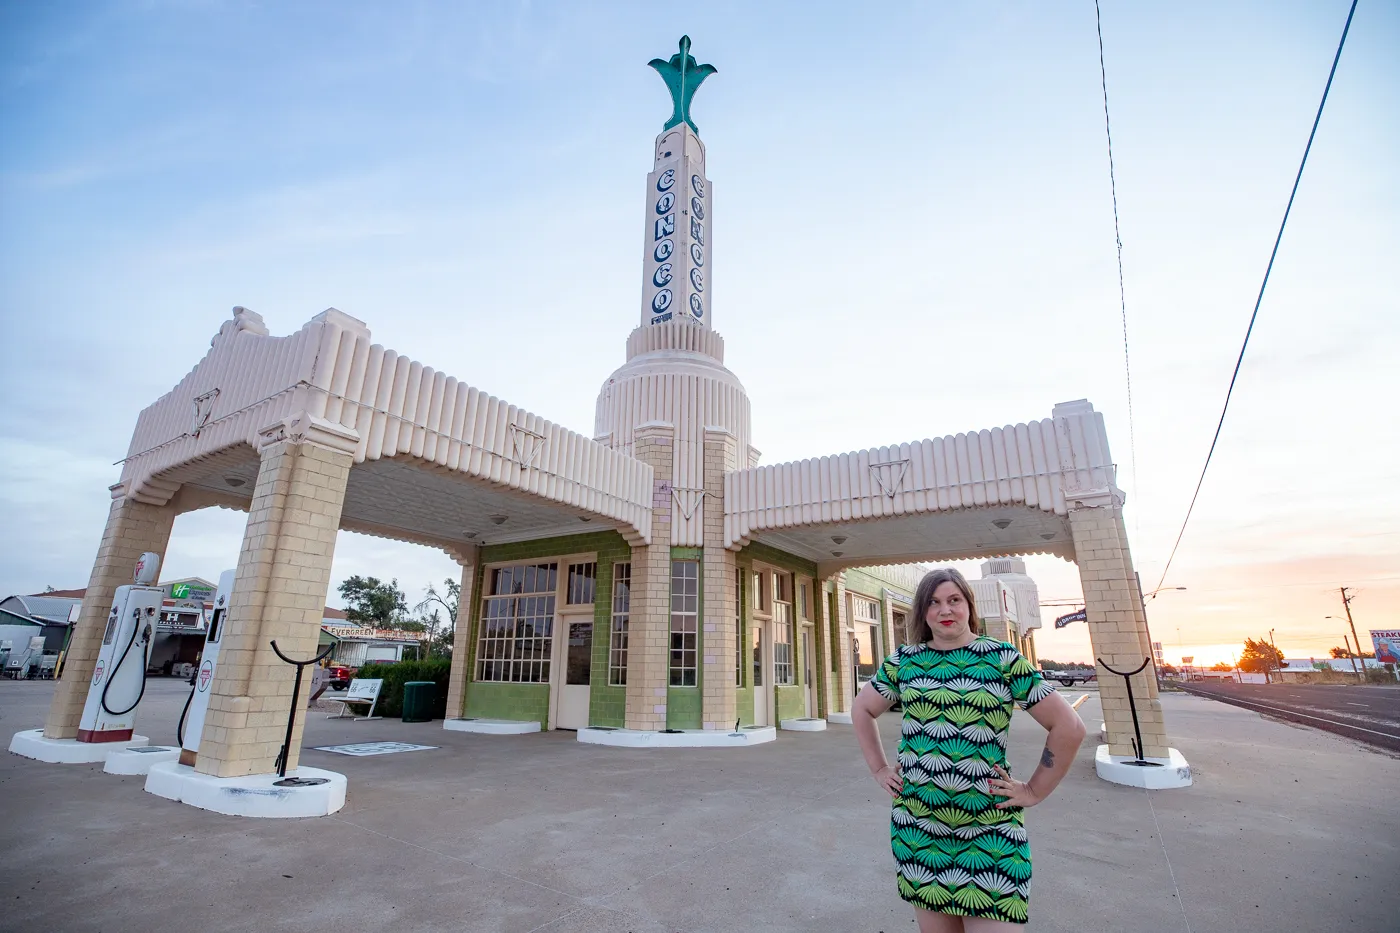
(192, 720)
(119, 676)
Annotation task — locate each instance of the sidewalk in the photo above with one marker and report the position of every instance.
(1286, 829)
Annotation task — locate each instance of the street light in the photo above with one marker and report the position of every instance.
(1156, 672)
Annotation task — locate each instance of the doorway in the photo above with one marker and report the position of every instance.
(762, 692)
(808, 678)
(574, 690)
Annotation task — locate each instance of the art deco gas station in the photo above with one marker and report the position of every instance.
(650, 583)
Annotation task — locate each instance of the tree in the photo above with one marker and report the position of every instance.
(1221, 666)
(1048, 665)
(374, 603)
(1260, 657)
(1343, 653)
(435, 604)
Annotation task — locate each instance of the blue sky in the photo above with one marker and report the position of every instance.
(913, 236)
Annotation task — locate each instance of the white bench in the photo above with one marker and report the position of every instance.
(361, 691)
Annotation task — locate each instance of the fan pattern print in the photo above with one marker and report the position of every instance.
(957, 853)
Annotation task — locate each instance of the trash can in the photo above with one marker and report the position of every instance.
(418, 699)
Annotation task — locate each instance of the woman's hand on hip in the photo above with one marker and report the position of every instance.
(1017, 793)
(890, 779)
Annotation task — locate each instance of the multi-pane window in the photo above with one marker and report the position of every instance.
(621, 614)
(865, 615)
(738, 628)
(760, 592)
(583, 582)
(685, 619)
(782, 643)
(517, 624)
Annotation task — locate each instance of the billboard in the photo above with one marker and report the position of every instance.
(1387, 645)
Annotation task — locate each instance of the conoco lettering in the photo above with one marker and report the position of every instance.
(662, 276)
(661, 301)
(697, 253)
(665, 226)
(666, 179)
(665, 202)
(697, 207)
(663, 250)
(697, 231)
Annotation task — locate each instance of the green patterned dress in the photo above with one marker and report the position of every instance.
(957, 853)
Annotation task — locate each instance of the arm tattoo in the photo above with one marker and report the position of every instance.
(1047, 758)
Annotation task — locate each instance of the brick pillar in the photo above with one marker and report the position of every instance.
(649, 623)
(461, 633)
(279, 593)
(132, 528)
(719, 629)
(845, 686)
(1117, 628)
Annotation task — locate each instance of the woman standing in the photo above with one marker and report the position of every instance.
(956, 827)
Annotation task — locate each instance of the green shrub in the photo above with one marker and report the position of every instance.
(397, 674)
(1379, 675)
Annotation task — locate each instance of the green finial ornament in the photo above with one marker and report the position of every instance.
(682, 76)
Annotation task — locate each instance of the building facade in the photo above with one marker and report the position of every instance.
(649, 575)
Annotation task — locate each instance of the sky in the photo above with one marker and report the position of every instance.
(913, 236)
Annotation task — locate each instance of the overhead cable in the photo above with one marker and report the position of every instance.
(1257, 301)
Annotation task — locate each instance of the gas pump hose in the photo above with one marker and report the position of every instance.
(118, 666)
(180, 728)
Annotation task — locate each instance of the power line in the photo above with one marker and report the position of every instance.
(1118, 238)
(1259, 300)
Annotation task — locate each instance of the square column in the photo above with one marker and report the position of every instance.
(649, 623)
(132, 528)
(719, 630)
(279, 593)
(1117, 628)
(461, 634)
(844, 699)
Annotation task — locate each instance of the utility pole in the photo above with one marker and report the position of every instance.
(1278, 658)
(1346, 641)
(1346, 604)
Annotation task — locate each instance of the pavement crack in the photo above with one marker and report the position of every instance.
(1180, 902)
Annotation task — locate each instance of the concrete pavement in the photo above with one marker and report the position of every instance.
(1286, 828)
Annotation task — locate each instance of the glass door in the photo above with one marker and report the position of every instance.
(578, 666)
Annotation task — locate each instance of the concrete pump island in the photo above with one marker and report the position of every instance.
(649, 584)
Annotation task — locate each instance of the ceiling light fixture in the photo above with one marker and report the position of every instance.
(1048, 535)
(1002, 523)
(838, 539)
(837, 553)
(498, 519)
(235, 481)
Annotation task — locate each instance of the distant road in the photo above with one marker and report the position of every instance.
(1367, 714)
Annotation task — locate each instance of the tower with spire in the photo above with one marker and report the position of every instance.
(675, 405)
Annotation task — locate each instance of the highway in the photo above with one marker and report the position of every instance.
(1365, 713)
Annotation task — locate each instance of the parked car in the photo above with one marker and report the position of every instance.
(1070, 678)
(340, 676)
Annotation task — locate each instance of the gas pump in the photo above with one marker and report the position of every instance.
(119, 676)
(197, 706)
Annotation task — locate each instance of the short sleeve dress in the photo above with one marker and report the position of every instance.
(956, 852)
